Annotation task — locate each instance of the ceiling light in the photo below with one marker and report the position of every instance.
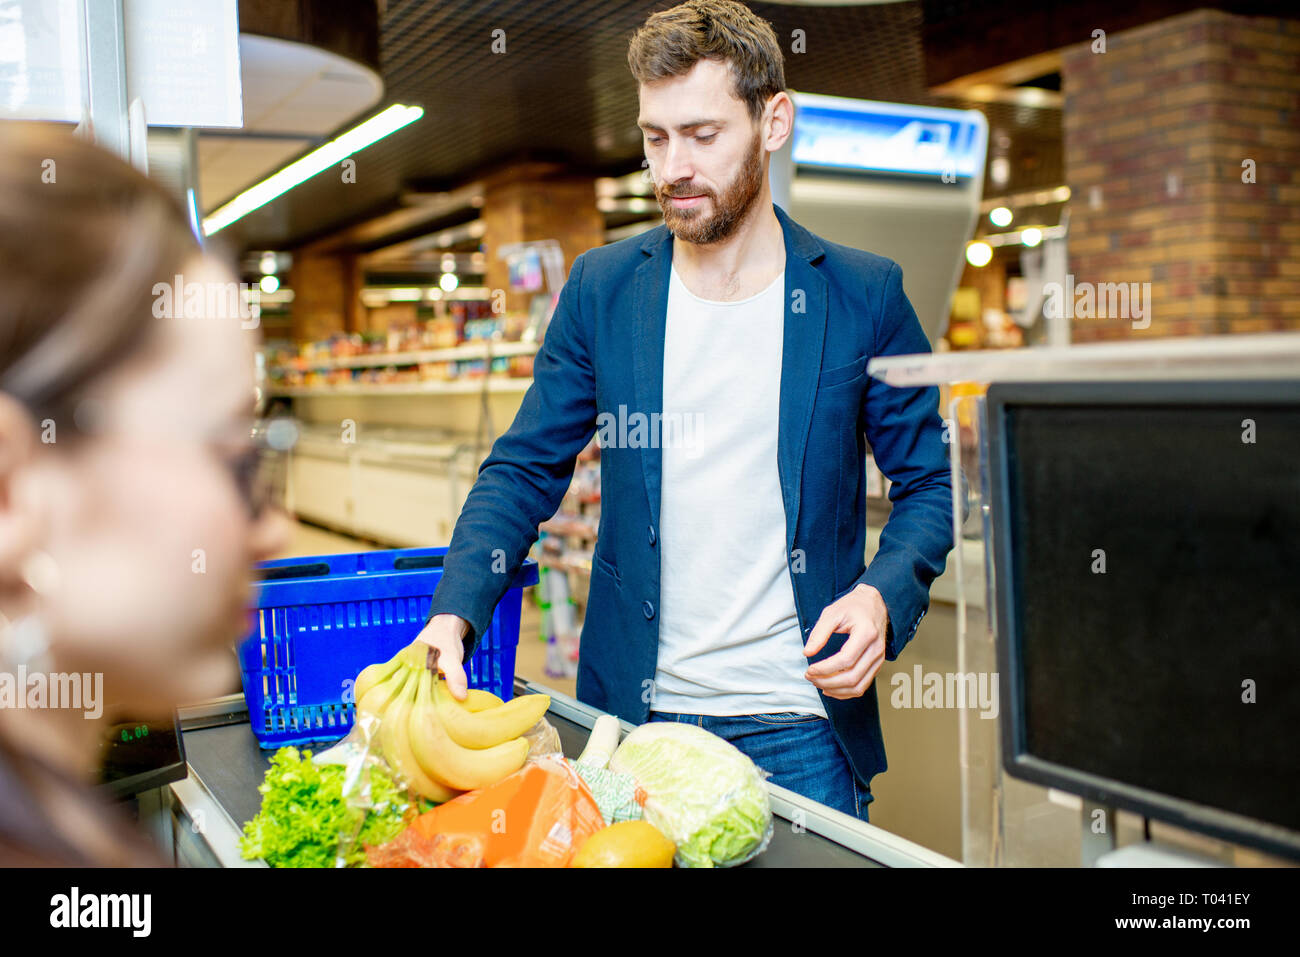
(979, 254)
(448, 282)
(1031, 236)
(269, 284)
(335, 151)
(268, 264)
(1000, 216)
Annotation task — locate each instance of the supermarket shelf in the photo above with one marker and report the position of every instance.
(469, 350)
(456, 387)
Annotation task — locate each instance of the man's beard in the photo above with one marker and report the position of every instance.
(693, 225)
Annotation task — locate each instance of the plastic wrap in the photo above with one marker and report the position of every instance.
(543, 740)
(413, 849)
(323, 810)
(699, 790)
(615, 794)
(537, 817)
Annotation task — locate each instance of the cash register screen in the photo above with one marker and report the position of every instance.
(1148, 542)
(138, 756)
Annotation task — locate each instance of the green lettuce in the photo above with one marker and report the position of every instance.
(703, 794)
(305, 820)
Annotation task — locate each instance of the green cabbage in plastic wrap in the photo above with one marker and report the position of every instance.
(704, 794)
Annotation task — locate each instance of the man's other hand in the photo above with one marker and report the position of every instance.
(447, 633)
(861, 614)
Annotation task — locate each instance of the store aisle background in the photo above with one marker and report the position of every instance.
(530, 662)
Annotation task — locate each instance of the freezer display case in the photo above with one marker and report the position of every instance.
(400, 485)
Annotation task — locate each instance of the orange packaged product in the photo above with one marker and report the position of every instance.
(537, 817)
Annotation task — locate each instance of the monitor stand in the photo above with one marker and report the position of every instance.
(1151, 854)
(1097, 845)
(1097, 832)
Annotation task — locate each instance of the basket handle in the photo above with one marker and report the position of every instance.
(309, 570)
(410, 562)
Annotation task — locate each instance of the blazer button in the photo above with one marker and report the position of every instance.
(650, 534)
(648, 608)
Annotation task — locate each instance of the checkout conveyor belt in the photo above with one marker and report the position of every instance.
(226, 766)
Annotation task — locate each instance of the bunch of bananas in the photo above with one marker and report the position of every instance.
(440, 745)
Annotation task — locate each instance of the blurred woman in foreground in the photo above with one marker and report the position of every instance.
(129, 513)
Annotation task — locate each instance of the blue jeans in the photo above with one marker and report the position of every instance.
(799, 751)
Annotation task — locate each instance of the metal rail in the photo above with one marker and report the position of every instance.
(200, 814)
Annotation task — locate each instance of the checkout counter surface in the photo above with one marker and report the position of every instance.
(226, 766)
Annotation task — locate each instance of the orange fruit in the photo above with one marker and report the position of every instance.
(626, 844)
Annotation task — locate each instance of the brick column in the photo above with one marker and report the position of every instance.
(326, 294)
(1157, 129)
(527, 203)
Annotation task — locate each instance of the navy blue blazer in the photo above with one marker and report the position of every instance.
(604, 349)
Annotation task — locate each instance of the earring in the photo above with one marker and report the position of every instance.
(27, 645)
(40, 573)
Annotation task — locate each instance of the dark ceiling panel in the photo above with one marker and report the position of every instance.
(967, 36)
(349, 28)
(562, 90)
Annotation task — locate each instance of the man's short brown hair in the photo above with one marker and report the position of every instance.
(672, 41)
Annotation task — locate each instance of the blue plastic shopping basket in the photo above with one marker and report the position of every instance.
(320, 620)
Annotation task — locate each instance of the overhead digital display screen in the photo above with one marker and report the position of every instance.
(888, 138)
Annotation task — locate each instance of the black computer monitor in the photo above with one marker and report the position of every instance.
(1146, 542)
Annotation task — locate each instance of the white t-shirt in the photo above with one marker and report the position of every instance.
(729, 637)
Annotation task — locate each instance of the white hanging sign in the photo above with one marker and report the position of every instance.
(182, 61)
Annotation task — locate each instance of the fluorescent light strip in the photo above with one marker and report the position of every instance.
(335, 151)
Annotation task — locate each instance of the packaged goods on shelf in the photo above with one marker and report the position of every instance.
(492, 328)
(442, 332)
(437, 371)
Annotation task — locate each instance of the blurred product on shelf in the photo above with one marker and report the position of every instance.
(484, 328)
(564, 552)
(559, 622)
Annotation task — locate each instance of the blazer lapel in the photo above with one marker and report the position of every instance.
(649, 326)
(801, 357)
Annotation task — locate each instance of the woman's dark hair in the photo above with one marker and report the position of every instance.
(672, 41)
(84, 237)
